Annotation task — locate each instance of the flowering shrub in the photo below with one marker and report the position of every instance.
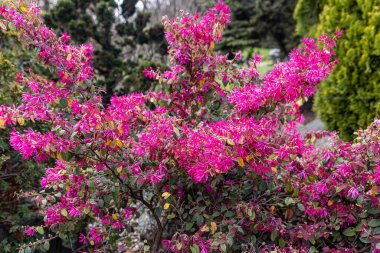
(219, 170)
(16, 174)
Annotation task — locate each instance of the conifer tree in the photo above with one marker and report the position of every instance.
(266, 23)
(116, 30)
(350, 98)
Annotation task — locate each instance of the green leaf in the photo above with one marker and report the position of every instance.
(374, 223)
(364, 240)
(289, 201)
(176, 131)
(251, 214)
(288, 188)
(374, 211)
(365, 234)
(171, 216)
(200, 220)
(90, 184)
(64, 212)
(358, 228)
(216, 214)
(378, 245)
(194, 248)
(189, 225)
(230, 240)
(11, 27)
(128, 241)
(349, 232)
(229, 214)
(376, 231)
(40, 230)
(301, 207)
(273, 236)
(223, 248)
(46, 245)
(281, 242)
(253, 239)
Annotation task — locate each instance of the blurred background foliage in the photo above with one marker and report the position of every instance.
(124, 40)
(127, 36)
(265, 24)
(350, 98)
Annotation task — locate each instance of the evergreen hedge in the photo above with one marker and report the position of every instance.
(350, 98)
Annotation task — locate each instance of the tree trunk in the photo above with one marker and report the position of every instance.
(157, 236)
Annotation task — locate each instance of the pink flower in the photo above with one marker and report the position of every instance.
(117, 224)
(339, 33)
(353, 192)
(82, 239)
(95, 236)
(75, 107)
(376, 176)
(287, 81)
(128, 212)
(74, 212)
(30, 231)
(202, 153)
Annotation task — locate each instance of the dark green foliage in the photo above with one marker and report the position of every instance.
(265, 23)
(306, 15)
(350, 98)
(142, 82)
(116, 38)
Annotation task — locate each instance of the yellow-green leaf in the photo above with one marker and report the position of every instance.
(40, 230)
(205, 228)
(21, 121)
(214, 227)
(230, 142)
(59, 156)
(240, 161)
(166, 195)
(23, 8)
